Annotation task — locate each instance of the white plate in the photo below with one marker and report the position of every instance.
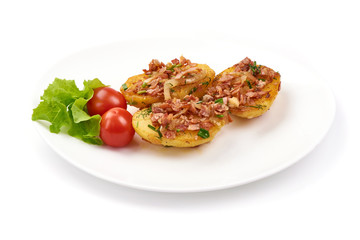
(242, 152)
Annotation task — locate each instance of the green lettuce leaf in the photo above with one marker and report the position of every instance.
(62, 91)
(54, 112)
(64, 105)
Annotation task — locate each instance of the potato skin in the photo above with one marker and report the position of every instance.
(141, 120)
(142, 100)
(252, 112)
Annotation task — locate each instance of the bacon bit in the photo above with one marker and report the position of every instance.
(225, 100)
(231, 84)
(267, 72)
(162, 78)
(190, 70)
(257, 94)
(219, 90)
(251, 77)
(206, 125)
(156, 116)
(169, 134)
(176, 115)
(220, 108)
(252, 94)
(226, 77)
(191, 98)
(204, 111)
(207, 98)
(244, 99)
(243, 65)
(154, 65)
(181, 112)
(165, 119)
(175, 61)
(181, 127)
(193, 127)
(154, 91)
(234, 91)
(229, 118)
(261, 84)
(184, 61)
(192, 107)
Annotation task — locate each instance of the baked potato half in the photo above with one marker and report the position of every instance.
(247, 88)
(162, 82)
(180, 123)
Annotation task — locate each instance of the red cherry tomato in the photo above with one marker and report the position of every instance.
(116, 128)
(105, 98)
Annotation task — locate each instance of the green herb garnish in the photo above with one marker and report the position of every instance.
(205, 83)
(156, 130)
(254, 68)
(141, 92)
(203, 133)
(192, 90)
(220, 116)
(132, 102)
(171, 68)
(220, 100)
(248, 83)
(152, 127)
(259, 106)
(144, 85)
(124, 86)
(145, 112)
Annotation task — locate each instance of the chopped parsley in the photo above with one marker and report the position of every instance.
(220, 116)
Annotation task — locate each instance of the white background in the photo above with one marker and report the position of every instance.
(44, 197)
